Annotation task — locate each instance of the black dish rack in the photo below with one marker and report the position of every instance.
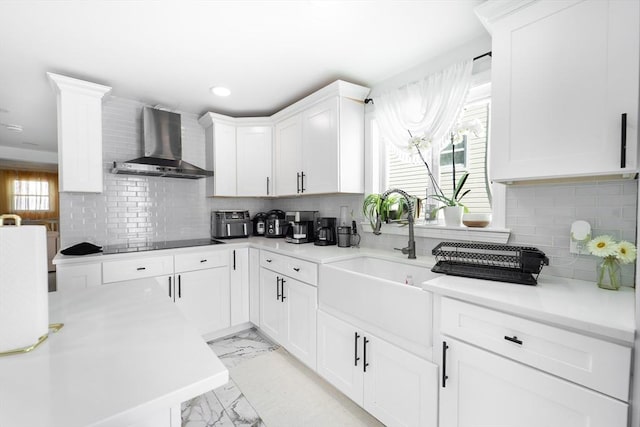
(503, 263)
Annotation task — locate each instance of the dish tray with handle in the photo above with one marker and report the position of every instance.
(503, 263)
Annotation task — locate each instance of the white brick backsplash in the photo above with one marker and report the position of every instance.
(609, 206)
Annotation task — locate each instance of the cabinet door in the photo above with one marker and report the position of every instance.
(288, 156)
(78, 276)
(484, 389)
(203, 298)
(224, 160)
(254, 161)
(563, 74)
(340, 358)
(239, 284)
(254, 286)
(400, 389)
(320, 160)
(301, 304)
(271, 308)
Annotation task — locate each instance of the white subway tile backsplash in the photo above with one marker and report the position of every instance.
(609, 206)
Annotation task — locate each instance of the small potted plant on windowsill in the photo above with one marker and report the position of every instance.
(389, 209)
(452, 207)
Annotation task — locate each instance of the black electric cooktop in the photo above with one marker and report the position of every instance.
(154, 246)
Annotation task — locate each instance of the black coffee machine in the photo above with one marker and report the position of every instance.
(325, 232)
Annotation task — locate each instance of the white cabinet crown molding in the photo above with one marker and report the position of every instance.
(62, 83)
(494, 10)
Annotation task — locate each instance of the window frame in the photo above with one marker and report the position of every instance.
(375, 176)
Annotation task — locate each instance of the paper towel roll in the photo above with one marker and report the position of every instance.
(24, 300)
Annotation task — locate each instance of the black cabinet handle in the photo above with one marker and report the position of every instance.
(356, 358)
(444, 364)
(268, 260)
(179, 286)
(282, 297)
(234, 259)
(141, 268)
(169, 286)
(298, 182)
(623, 141)
(296, 269)
(513, 339)
(302, 186)
(364, 354)
(203, 260)
(277, 287)
(267, 186)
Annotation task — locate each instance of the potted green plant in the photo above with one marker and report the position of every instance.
(391, 208)
(453, 208)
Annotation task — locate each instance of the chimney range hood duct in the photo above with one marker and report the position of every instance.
(162, 149)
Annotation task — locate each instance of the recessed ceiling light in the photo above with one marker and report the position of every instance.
(220, 91)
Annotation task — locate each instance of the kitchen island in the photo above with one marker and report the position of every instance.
(125, 357)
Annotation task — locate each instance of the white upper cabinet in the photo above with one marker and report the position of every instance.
(220, 140)
(564, 77)
(319, 142)
(253, 162)
(239, 152)
(79, 106)
(288, 156)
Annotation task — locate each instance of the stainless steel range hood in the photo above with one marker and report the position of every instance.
(162, 149)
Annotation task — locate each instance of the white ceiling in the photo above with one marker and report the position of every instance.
(269, 53)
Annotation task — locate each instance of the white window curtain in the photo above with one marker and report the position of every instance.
(427, 108)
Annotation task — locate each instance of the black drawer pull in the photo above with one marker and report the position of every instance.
(445, 377)
(268, 260)
(623, 141)
(296, 269)
(141, 268)
(203, 260)
(513, 339)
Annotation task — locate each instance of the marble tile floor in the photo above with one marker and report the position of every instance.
(226, 406)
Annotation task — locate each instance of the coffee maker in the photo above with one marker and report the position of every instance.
(300, 226)
(325, 231)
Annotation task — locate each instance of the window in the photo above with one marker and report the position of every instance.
(31, 195)
(470, 156)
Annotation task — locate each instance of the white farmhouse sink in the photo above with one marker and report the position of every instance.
(381, 268)
(371, 293)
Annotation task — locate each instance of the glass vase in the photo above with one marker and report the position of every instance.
(609, 274)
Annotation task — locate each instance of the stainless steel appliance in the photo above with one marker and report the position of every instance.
(344, 237)
(228, 224)
(260, 224)
(162, 136)
(275, 223)
(300, 226)
(325, 231)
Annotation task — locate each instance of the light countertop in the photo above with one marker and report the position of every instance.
(124, 353)
(571, 303)
(566, 302)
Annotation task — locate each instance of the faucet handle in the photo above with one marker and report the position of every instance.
(404, 250)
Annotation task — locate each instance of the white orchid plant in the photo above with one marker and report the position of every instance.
(457, 135)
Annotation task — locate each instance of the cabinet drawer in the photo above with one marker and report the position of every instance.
(304, 271)
(117, 271)
(594, 363)
(201, 260)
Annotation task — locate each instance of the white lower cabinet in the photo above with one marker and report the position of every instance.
(499, 369)
(483, 389)
(239, 285)
(78, 276)
(395, 386)
(288, 314)
(203, 298)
